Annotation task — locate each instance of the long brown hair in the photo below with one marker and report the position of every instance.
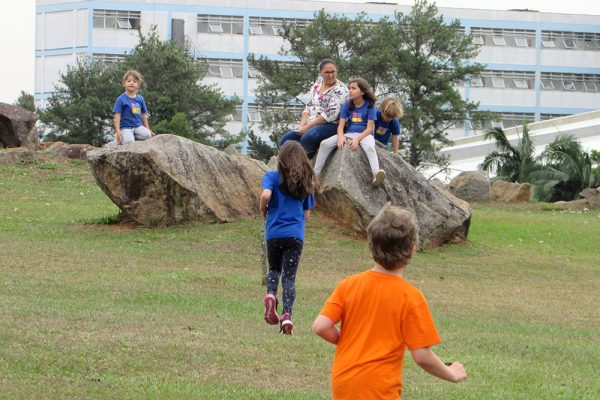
(297, 176)
(364, 87)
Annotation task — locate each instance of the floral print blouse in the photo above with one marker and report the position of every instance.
(327, 104)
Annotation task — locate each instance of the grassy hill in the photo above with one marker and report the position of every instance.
(93, 309)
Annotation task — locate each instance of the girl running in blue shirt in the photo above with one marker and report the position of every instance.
(285, 201)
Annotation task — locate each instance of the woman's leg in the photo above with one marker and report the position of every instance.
(312, 138)
(325, 149)
(291, 135)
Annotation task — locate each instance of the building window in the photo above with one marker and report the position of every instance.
(228, 24)
(590, 86)
(478, 39)
(476, 82)
(570, 43)
(548, 43)
(521, 84)
(108, 58)
(499, 40)
(569, 86)
(116, 19)
(224, 68)
(498, 83)
(521, 42)
(273, 26)
(547, 84)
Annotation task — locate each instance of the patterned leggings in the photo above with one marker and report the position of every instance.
(284, 257)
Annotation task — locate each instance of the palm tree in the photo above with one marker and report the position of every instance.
(513, 163)
(567, 170)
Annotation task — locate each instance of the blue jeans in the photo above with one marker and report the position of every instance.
(312, 138)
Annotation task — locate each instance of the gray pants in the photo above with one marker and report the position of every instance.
(328, 145)
(132, 134)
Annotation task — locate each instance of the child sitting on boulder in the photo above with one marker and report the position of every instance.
(131, 113)
(361, 113)
(387, 125)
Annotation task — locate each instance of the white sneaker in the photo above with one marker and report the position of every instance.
(378, 178)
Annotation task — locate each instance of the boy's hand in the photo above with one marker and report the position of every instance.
(340, 143)
(354, 144)
(459, 371)
(119, 137)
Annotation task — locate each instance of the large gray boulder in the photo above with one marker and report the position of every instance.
(169, 179)
(471, 186)
(347, 196)
(17, 127)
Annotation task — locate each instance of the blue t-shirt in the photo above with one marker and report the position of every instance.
(358, 118)
(285, 215)
(385, 130)
(131, 110)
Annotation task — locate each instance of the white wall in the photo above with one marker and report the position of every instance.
(512, 97)
(59, 30)
(569, 58)
(48, 69)
(504, 55)
(219, 42)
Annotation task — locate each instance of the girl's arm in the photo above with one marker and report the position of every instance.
(356, 141)
(118, 133)
(145, 123)
(431, 363)
(265, 196)
(325, 328)
(340, 133)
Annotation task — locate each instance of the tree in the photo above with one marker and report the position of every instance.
(427, 63)
(567, 171)
(512, 163)
(80, 110)
(26, 101)
(259, 149)
(415, 57)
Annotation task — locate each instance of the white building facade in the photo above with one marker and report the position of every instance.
(539, 65)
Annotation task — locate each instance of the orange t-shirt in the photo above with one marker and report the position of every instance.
(381, 315)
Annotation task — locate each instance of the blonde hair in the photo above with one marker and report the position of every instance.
(391, 108)
(392, 235)
(136, 75)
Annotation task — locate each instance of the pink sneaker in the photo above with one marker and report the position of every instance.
(287, 326)
(271, 309)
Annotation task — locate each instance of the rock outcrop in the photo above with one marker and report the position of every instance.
(471, 186)
(17, 127)
(169, 179)
(347, 196)
(509, 192)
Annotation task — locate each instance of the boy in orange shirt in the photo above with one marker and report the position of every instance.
(381, 315)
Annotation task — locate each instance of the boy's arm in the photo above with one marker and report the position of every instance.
(118, 133)
(430, 362)
(395, 143)
(145, 123)
(325, 328)
(265, 196)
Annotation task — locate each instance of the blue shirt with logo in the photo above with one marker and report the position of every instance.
(358, 118)
(385, 130)
(131, 110)
(285, 213)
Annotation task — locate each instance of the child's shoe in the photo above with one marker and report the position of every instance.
(378, 178)
(287, 326)
(271, 309)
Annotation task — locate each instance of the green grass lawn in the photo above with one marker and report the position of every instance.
(95, 310)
